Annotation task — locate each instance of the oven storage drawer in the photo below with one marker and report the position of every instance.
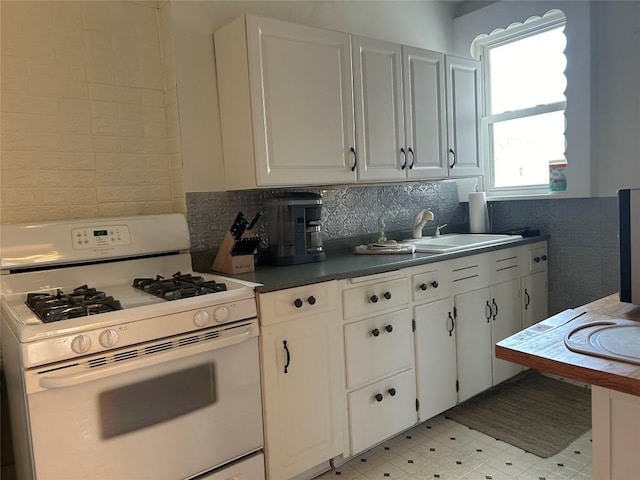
(380, 410)
(377, 347)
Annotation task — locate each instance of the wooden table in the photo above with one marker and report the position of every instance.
(542, 347)
(615, 395)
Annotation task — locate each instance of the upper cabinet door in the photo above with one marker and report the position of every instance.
(377, 70)
(425, 118)
(286, 104)
(463, 107)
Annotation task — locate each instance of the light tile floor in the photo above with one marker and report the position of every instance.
(443, 449)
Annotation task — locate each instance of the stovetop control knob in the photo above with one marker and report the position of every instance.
(108, 338)
(81, 344)
(221, 314)
(201, 318)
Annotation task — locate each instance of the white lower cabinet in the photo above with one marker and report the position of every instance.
(379, 359)
(535, 305)
(381, 410)
(484, 317)
(616, 434)
(302, 378)
(435, 346)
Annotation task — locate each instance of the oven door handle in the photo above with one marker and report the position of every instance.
(233, 337)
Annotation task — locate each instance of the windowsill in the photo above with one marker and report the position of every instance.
(533, 196)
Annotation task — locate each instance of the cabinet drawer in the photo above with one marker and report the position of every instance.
(381, 410)
(505, 264)
(538, 259)
(287, 304)
(469, 273)
(378, 347)
(374, 298)
(432, 283)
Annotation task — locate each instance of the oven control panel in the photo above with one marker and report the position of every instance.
(100, 237)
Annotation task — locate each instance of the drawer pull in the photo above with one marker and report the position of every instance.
(286, 349)
(392, 391)
(373, 298)
(389, 328)
(544, 258)
(311, 300)
(387, 295)
(434, 284)
(536, 259)
(375, 332)
(378, 397)
(423, 286)
(297, 303)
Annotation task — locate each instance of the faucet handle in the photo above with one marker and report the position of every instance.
(438, 229)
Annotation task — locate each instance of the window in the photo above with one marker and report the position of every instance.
(523, 125)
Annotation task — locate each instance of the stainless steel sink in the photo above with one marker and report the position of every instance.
(458, 241)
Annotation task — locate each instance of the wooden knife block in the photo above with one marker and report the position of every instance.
(227, 263)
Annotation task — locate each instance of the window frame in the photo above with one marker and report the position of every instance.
(481, 47)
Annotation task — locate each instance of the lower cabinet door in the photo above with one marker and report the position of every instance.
(381, 410)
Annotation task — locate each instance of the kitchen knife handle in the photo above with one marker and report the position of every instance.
(355, 159)
(254, 221)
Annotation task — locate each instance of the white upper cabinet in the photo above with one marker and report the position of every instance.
(286, 104)
(425, 117)
(463, 115)
(305, 106)
(377, 71)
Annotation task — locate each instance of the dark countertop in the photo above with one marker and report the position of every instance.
(344, 263)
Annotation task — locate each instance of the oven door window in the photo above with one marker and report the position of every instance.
(149, 402)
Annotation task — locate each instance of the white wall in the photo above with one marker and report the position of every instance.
(425, 24)
(578, 114)
(615, 96)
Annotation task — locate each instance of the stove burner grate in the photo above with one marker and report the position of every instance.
(81, 302)
(178, 286)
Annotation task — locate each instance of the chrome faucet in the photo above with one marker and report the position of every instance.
(422, 217)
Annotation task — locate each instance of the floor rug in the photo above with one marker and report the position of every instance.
(539, 414)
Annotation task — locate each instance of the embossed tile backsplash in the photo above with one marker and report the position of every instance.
(583, 249)
(347, 211)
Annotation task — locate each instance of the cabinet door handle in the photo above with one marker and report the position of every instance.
(311, 300)
(286, 349)
(387, 295)
(355, 159)
(389, 328)
(488, 311)
(392, 391)
(495, 314)
(452, 152)
(378, 397)
(413, 157)
(373, 298)
(375, 332)
(527, 299)
(453, 324)
(404, 158)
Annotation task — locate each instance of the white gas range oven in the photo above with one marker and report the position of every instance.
(120, 363)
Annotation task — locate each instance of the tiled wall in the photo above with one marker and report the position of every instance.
(347, 211)
(83, 113)
(583, 249)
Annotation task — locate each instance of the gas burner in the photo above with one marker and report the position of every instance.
(178, 286)
(81, 302)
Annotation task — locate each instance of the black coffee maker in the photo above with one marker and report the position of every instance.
(294, 229)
